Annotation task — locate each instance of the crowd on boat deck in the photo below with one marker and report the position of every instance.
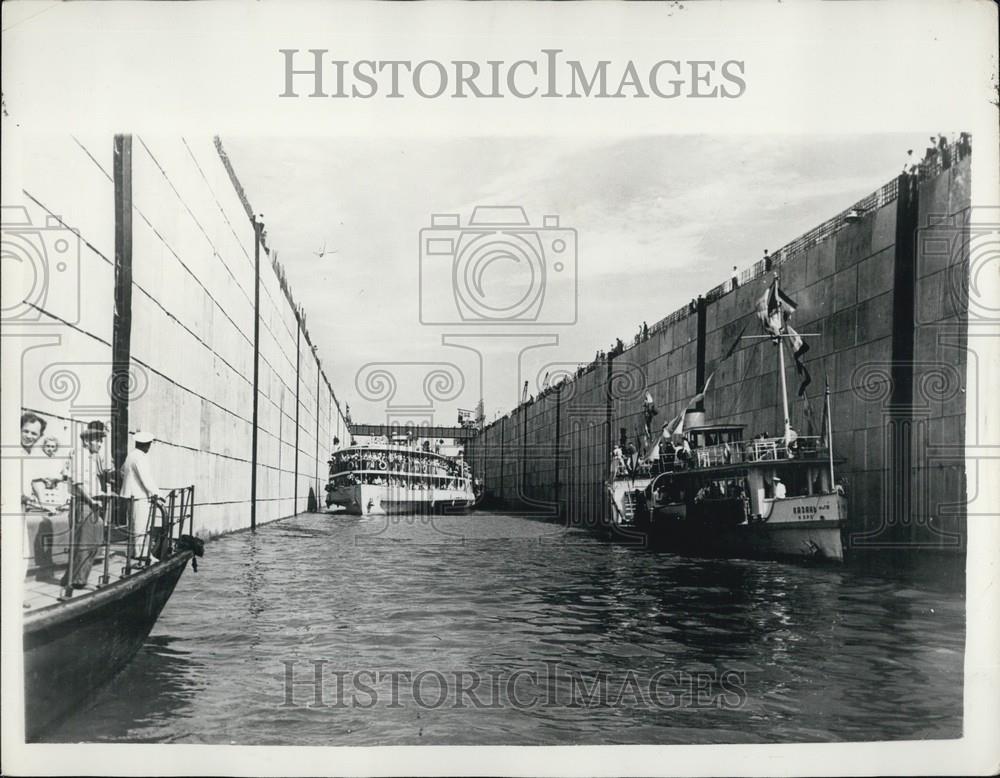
(684, 453)
(401, 481)
(400, 469)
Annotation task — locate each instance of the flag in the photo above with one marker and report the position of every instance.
(799, 348)
(735, 343)
(649, 411)
(665, 433)
(767, 311)
(674, 429)
(807, 413)
(774, 308)
(677, 428)
(787, 304)
(701, 395)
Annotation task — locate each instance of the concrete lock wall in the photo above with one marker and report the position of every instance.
(190, 323)
(884, 288)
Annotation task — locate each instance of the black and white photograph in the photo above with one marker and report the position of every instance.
(500, 388)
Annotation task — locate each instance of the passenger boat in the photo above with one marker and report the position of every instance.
(703, 488)
(75, 641)
(736, 497)
(397, 478)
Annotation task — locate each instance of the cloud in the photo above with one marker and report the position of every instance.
(659, 220)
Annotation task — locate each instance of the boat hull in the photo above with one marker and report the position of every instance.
(379, 500)
(808, 527)
(815, 540)
(73, 648)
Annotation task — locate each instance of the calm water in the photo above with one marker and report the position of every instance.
(692, 650)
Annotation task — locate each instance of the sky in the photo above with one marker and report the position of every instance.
(657, 220)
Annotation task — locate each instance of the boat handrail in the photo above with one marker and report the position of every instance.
(398, 474)
(118, 516)
(757, 450)
(740, 452)
(367, 448)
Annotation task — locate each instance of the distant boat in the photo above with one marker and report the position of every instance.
(395, 478)
(76, 641)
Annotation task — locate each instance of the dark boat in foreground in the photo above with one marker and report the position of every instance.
(76, 641)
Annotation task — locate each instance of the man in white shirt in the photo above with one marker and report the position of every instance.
(779, 489)
(137, 478)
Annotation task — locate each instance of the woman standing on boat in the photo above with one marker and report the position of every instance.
(84, 470)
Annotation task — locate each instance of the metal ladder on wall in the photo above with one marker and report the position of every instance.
(628, 508)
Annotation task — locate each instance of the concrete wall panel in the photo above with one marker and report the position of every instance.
(192, 323)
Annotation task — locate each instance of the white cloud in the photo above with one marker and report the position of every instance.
(659, 220)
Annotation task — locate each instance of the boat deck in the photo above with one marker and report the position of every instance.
(44, 590)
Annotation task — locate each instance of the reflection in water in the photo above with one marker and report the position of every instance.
(158, 688)
(822, 653)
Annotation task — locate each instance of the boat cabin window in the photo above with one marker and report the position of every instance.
(731, 486)
(796, 480)
(671, 491)
(702, 438)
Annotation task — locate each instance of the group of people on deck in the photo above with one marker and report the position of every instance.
(398, 462)
(89, 482)
(401, 470)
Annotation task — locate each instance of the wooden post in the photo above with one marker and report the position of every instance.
(130, 540)
(784, 387)
(316, 456)
(121, 332)
(106, 523)
(557, 449)
(256, 372)
(76, 508)
(298, 365)
(829, 436)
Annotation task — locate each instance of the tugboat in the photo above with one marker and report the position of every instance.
(703, 489)
(398, 478)
(77, 639)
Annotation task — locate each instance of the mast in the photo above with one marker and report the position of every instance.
(784, 387)
(829, 434)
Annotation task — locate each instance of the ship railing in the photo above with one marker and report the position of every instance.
(139, 531)
(665, 463)
(395, 474)
(385, 476)
(759, 450)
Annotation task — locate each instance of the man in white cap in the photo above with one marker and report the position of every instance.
(779, 489)
(137, 476)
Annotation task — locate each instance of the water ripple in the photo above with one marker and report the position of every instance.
(819, 653)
